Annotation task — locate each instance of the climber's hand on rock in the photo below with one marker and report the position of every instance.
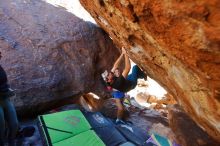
(123, 50)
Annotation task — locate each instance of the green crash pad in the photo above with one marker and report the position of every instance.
(64, 125)
(88, 138)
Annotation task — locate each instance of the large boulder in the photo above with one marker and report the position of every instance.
(177, 43)
(187, 132)
(50, 54)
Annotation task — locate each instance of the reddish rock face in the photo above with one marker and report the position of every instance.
(177, 43)
(50, 54)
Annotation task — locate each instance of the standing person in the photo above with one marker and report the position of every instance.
(122, 82)
(8, 114)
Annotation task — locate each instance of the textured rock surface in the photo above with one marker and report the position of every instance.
(50, 54)
(176, 43)
(187, 132)
(91, 102)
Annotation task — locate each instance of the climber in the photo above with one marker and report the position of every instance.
(122, 82)
(8, 114)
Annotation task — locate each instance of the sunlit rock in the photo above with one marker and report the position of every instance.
(176, 43)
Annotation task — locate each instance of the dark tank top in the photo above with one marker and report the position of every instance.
(121, 84)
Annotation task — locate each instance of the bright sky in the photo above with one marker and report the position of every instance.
(72, 6)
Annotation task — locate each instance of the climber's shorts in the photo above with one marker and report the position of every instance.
(118, 94)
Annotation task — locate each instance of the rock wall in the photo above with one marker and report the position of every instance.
(50, 54)
(187, 132)
(177, 44)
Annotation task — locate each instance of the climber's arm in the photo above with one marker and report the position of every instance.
(117, 62)
(127, 66)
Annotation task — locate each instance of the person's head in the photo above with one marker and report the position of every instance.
(117, 72)
(110, 77)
